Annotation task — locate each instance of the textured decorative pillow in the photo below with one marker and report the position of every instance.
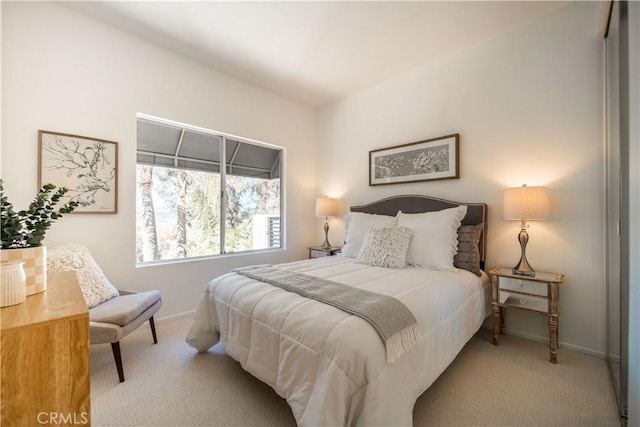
(359, 224)
(468, 256)
(435, 237)
(95, 287)
(385, 247)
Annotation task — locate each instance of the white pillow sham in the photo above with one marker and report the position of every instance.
(435, 237)
(358, 225)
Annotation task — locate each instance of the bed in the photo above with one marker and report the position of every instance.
(332, 366)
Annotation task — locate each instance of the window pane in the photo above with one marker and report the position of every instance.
(178, 213)
(252, 213)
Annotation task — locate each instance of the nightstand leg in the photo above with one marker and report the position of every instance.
(553, 339)
(496, 309)
(502, 311)
(554, 297)
(497, 324)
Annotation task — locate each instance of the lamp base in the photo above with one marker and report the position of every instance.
(523, 273)
(523, 268)
(326, 244)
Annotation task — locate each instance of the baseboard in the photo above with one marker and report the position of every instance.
(161, 320)
(176, 316)
(545, 340)
(561, 344)
(614, 359)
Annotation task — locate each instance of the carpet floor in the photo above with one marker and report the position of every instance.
(169, 384)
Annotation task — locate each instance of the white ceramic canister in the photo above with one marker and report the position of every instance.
(13, 283)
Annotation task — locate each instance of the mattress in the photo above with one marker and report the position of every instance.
(329, 365)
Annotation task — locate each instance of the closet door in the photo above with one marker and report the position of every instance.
(613, 199)
(630, 212)
(623, 206)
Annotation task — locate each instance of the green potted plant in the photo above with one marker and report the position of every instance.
(23, 232)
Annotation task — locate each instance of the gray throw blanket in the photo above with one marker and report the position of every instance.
(392, 320)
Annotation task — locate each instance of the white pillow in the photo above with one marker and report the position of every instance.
(435, 237)
(94, 285)
(385, 247)
(359, 224)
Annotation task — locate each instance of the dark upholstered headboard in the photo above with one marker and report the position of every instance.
(476, 212)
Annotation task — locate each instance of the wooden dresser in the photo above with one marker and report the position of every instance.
(45, 357)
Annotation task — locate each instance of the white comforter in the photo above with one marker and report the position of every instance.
(329, 365)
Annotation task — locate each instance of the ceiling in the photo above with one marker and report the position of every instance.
(316, 52)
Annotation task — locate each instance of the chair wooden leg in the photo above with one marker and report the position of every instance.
(115, 346)
(153, 330)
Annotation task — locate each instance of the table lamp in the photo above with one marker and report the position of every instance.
(326, 207)
(524, 204)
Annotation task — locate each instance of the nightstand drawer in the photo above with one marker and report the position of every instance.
(534, 288)
(527, 302)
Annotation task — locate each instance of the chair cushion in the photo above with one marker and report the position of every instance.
(123, 309)
(94, 285)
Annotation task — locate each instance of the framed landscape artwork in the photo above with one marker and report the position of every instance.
(435, 158)
(88, 167)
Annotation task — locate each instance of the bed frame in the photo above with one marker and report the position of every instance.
(413, 203)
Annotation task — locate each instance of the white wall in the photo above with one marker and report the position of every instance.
(529, 109)
(65, 72)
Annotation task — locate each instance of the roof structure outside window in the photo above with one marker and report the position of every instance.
(168, 145)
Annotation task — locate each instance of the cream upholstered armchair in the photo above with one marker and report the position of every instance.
(113, 313)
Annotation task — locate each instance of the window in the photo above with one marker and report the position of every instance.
(202, 193)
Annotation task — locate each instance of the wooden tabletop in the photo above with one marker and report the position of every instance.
(61, 300)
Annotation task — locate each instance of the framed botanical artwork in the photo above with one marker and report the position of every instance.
(435, 158)
(88, 167)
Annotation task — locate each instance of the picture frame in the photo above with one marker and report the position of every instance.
(428, 160)
(87, 167)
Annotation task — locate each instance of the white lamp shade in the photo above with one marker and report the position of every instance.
(326, 206)
(526, 203)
